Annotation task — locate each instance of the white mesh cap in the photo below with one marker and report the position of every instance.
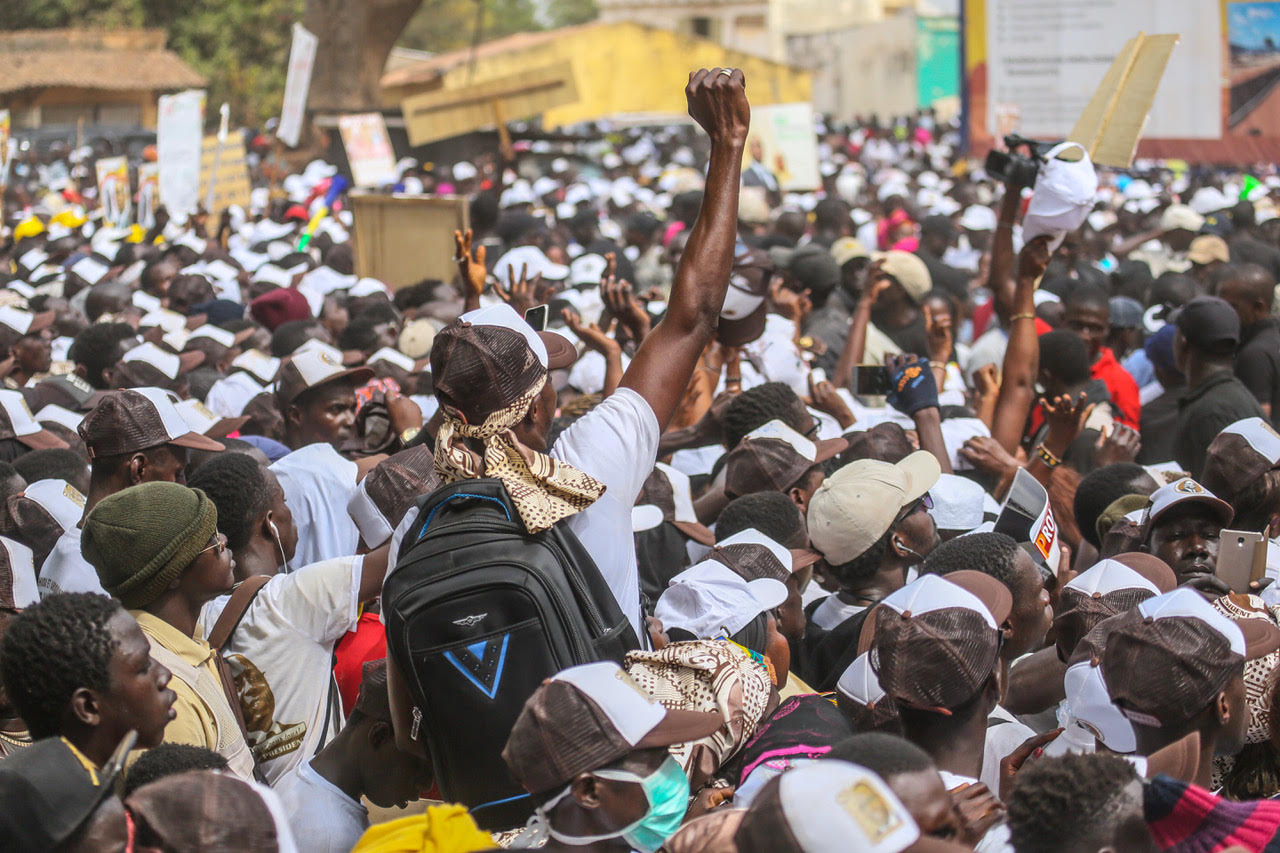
(258, 364)
(59, 415)
(751, 536)
(23, 568)
(1108, 576)
(631, 711)
(1188, 603)
(90, 269)
(928, 593)
(60, 499)
(834, 805)
(860, 683)
(780, 431)
(711, 600)
(682, 493)
(163, 401)
(215, 334)
(1089, 706)
(166, 362)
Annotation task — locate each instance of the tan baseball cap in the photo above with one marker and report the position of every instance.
(908, 269)
(857, 505)
(1208, 248)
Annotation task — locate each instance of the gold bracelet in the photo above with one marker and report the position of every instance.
(1030, 315)
(1047, 457)
(409, 434)
(938, 365)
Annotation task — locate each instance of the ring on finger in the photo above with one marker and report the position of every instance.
(726, 72)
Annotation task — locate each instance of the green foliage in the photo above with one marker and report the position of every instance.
(241, 47)
(444, 25)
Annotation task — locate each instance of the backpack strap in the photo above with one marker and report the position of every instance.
(231, 616)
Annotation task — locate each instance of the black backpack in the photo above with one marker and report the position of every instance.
(478, 613)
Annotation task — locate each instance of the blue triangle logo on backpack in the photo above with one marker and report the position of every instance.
(482, 663)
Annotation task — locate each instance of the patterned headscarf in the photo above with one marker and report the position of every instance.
(1259, 762)
(706, 675)
(544, 490)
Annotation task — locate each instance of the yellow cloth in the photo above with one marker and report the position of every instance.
(72, 217)
(442, 829)
(195, 723)
(544, 490)
(136, 234)
(29, 227)
(795, 687)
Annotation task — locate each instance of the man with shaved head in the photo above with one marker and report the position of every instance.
(1250, 291)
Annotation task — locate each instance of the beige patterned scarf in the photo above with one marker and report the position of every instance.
(706, 675)
(543, 489)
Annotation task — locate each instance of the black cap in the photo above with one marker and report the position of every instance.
(1209, 324)
(814, 268)
(48, 792)
(938, 224)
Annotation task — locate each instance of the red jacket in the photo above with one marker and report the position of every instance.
(1124, 390)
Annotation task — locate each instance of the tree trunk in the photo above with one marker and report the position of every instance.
(356, 36)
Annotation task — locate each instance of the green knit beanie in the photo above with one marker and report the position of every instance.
(142, 538)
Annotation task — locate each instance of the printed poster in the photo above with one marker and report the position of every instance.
(368, 149)
(114, 193)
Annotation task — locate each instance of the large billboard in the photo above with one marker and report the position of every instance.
(1032, 66)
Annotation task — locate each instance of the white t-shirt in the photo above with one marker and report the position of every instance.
(281, 656)
(322, 817)
(1005, 733)
(66, 569)
(617, 443)
(317, 484)
(833, 612)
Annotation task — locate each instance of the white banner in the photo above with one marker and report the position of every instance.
(302, 58)
(179, 142)
(1046, 57)
(787, 147)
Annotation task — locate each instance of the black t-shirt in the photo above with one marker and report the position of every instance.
(1258, 363)
(1158, 427)
(1204, 411)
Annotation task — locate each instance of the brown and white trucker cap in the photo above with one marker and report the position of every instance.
(587, 717)
(134, 419)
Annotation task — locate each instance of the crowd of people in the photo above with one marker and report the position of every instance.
(695, 514)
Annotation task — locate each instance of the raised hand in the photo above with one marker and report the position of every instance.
(523, 292)
(1120, 443)
(938, 331)
(597, 339)
(470, 266)
(1066, 416)
(1033, 259)
(718, 103)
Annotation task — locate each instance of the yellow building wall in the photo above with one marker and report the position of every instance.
(627, 68)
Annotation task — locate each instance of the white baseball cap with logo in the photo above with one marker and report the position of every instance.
(1088, 706)
(1186, 490)
(257, 364)
(60, 499)
(710, 600)
(857, 505)
(824, 806)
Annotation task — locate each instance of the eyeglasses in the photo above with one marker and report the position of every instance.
(924, 502)
(217, 547)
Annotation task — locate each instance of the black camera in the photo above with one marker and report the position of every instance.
(1014, 169)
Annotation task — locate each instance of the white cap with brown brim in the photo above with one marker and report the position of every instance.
(170, 364)
(257, 364)
(553, 351)
(1183, 492)
(53, 413)
(202, 420)
(221, 336)
(17, 422)
(22, 590)
(641, 721)
(25, 322)
(399, 359)
(305, 370)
